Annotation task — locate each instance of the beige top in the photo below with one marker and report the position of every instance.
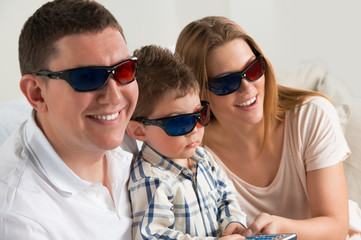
(312, 140)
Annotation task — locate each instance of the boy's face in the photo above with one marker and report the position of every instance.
(89, 122)
(179, 147)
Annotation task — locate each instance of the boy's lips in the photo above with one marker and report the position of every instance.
(193, 144)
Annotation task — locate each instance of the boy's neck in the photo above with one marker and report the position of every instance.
(183, 162)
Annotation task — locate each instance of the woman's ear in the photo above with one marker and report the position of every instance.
(135, 129)
(32, 87)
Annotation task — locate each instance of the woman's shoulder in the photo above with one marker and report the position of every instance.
(315, 106)
(318, 101)
(315, 117)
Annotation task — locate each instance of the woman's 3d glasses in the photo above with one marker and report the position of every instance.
(180, 124)
(92, 78)
(230, 83)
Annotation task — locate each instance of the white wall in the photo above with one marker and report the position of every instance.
(289, 31)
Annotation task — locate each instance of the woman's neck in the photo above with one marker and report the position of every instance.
(242, 151)
(245, 136)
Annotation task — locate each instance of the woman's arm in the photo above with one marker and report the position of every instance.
(329, 209)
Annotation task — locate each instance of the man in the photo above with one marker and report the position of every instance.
(63, 174)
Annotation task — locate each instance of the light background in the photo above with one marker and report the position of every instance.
(289, 31)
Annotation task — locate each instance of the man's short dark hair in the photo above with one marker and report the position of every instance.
(55, 20)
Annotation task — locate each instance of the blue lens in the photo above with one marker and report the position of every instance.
(225, 85)
(180, 125)
(88, 79)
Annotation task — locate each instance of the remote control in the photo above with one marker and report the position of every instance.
(284, 236)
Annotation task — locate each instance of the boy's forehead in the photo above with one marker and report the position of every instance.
(171, 104)
(175, 95)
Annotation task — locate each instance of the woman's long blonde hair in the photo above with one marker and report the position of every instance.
(199, 37)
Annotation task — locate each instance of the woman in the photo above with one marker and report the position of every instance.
(282, 147)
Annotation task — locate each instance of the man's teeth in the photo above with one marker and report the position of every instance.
(249, 102)
(106, 117)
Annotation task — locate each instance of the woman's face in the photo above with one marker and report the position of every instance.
(245, 104)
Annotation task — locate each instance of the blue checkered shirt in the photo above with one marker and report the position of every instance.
(173, 202)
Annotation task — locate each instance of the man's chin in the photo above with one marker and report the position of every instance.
(110, 143)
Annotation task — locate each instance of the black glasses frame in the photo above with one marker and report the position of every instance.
(65, 74)
(160, 122)
(241, 74)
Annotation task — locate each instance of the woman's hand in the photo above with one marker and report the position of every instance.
(233, 231)
(232, 237)
(234, 228)
(264, 224)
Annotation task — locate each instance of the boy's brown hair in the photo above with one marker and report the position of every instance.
(54, 20)
(158, 72)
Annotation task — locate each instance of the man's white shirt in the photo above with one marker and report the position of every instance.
(41, 198)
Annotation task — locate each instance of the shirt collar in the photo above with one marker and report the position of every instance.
(48, 162)
(155, 158)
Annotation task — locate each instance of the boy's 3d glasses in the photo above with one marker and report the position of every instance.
(230, 83)
(92, 78)
(180, 124)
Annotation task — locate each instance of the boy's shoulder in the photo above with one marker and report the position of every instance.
(142, 169)
(148, 165)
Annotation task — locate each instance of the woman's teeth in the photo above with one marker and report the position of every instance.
(247, 103)
(106, 117)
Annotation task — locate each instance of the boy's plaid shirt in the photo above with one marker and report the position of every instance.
(173, 202)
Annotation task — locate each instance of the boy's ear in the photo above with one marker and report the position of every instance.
(32, 88)
(135, 129)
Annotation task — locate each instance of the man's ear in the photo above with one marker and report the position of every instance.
(32, 87)
(135, 129)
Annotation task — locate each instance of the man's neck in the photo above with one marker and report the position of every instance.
(96, 172)
(88, 164)
(89, 169)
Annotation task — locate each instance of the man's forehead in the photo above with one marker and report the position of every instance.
(104, 48)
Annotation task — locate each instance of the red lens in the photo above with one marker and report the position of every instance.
(125, 72)
(255, 71)
(205, 116)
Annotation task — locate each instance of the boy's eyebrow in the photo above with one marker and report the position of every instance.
(197, 108)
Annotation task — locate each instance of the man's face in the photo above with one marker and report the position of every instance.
(73, 121)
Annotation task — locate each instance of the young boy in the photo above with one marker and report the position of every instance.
(177, 190)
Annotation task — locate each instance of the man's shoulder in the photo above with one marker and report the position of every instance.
(12, 164)
(12, 155)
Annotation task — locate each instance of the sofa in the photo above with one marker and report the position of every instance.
(311, 76)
